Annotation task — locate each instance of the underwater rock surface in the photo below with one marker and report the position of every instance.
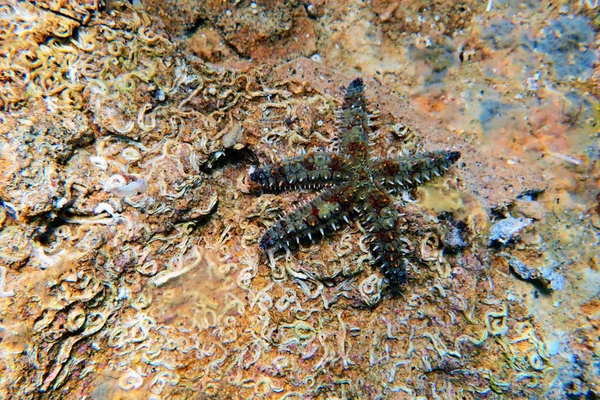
(130, 264)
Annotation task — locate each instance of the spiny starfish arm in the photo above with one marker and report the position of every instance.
(409, 172)
(326, 213)
(354, 123)
(311, 170)
(381, 220)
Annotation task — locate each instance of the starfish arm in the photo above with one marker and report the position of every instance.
(326, 213)
(354, 123)
(311, 170)
(381, 220)
(409, 172)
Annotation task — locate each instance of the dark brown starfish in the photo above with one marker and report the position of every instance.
(355, 186)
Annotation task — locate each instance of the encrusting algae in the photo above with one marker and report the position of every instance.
(130, 259)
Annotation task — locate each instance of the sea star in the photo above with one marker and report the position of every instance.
(355, 186)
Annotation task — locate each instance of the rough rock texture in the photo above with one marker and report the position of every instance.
(129, 256)
(258, 30)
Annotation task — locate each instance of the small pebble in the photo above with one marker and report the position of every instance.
(531, 209)
(506, 229)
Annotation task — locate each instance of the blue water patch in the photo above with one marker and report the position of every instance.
(566, 41)
(500, 34)
(492, 109)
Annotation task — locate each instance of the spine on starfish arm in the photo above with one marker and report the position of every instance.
(389, 251)
(409, 172)
(311, 170)
(354, 122)
(326, 213)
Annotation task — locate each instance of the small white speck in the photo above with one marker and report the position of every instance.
(123, 293)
